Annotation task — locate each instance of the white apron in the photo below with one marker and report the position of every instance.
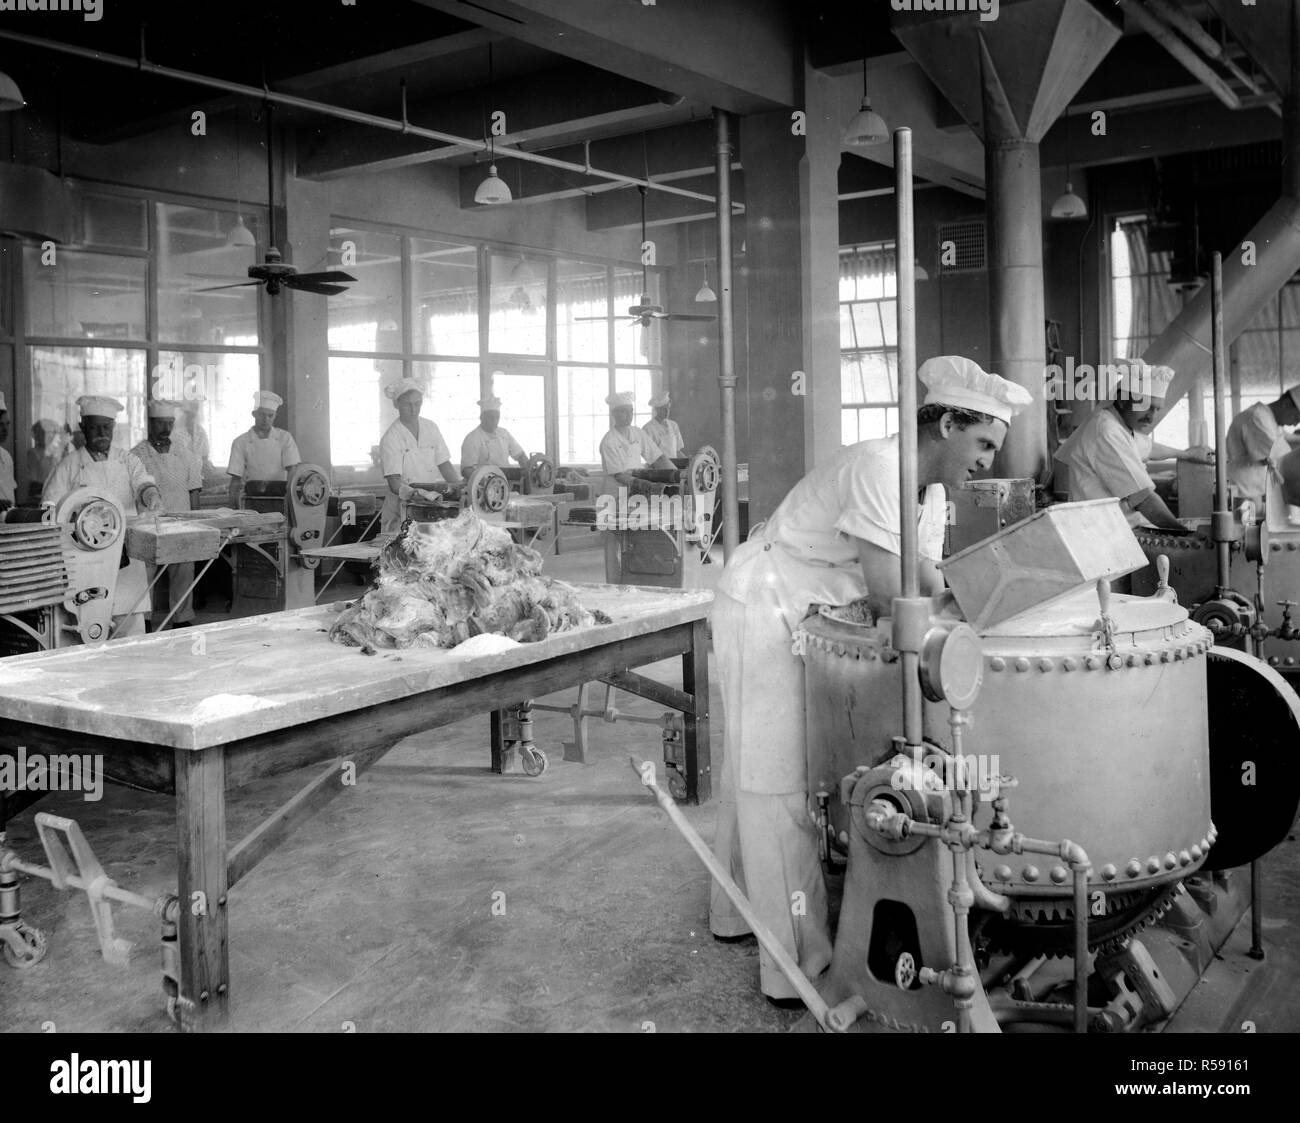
(419, 465)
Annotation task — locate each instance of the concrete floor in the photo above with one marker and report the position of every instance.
(378, 913)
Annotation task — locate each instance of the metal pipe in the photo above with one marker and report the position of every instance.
(807, 992)
(1194, 64)
(353, 116)
(1222, 543)
(907, 437)
(909, 583)
(726, 336)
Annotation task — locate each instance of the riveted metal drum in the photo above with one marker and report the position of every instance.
(1107, 736)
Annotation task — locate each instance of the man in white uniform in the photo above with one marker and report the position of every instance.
(1256, 444)
(622, 450)
(189, 436)
(179, 480)
(411, 451)
(1107, 455)
(264, 452)
(834, 539)
(8, 484)
(663, 430)
(119, 475)
(490, 444)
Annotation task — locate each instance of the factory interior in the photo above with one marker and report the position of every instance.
(434, 721)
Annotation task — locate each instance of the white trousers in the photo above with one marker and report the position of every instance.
(765, 836)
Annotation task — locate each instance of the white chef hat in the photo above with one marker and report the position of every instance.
(3, 407)
(395, 390)
(1138, 381)
(92, 405)
(953, 380)
(158, 408)
(489, 403)
(660, 399)
(267, 399)
(623, 398)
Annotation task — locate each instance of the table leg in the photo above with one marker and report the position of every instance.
(501, 757)
(201, 873)
(695, 682)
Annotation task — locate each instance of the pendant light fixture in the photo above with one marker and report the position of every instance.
(11, 96)
(866, 128)
(240, 236)
(493, 190)
(1068, 204)
(706, 295)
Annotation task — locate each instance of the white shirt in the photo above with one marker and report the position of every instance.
(197, 444)
(415, 459)
(619, 453)
(498, 448)
(1254, 442)
(8, 485)
(122, 477)
(255, 458)
(1106, 460)
(667, 436)
(810, 535)
(176, 473)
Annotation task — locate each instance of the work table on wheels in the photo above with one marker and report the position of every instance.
(197, 712)
(198, 687)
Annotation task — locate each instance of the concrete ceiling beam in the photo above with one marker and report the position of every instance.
(546, 106)
(690, 49)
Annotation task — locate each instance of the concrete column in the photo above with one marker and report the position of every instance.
(1017, 340)
(773, 199)
(820, 215)
(305, 320)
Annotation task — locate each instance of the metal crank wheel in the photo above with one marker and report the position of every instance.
(35, 946)
(541, 472)
(488, 490)
(98, 525)
(533, 761)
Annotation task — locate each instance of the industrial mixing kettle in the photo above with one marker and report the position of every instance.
(1060, 897)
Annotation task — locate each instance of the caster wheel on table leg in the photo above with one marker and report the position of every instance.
(534, 762)
(676, 785)
(35, 949)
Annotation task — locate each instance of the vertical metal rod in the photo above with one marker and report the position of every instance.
(909, 585)
(1080, 950)
(1219, 383)
(726, 336)
(1256, 950)
(907, 440)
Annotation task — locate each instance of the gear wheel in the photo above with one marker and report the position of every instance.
(1047, 927)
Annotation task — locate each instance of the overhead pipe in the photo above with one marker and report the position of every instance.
(1185, 345)
(353, 116)
(1192, 62)
(726, 337)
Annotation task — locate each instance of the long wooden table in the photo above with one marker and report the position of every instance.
(198, 712)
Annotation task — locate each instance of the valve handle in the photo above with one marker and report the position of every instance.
(1162, 571)
(1286, 603)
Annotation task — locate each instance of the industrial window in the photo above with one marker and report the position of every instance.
(868, 342)
(136, 310)
(465, 320)
(1262, 363)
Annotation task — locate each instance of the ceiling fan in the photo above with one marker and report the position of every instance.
(644, 312)
(271, 271)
